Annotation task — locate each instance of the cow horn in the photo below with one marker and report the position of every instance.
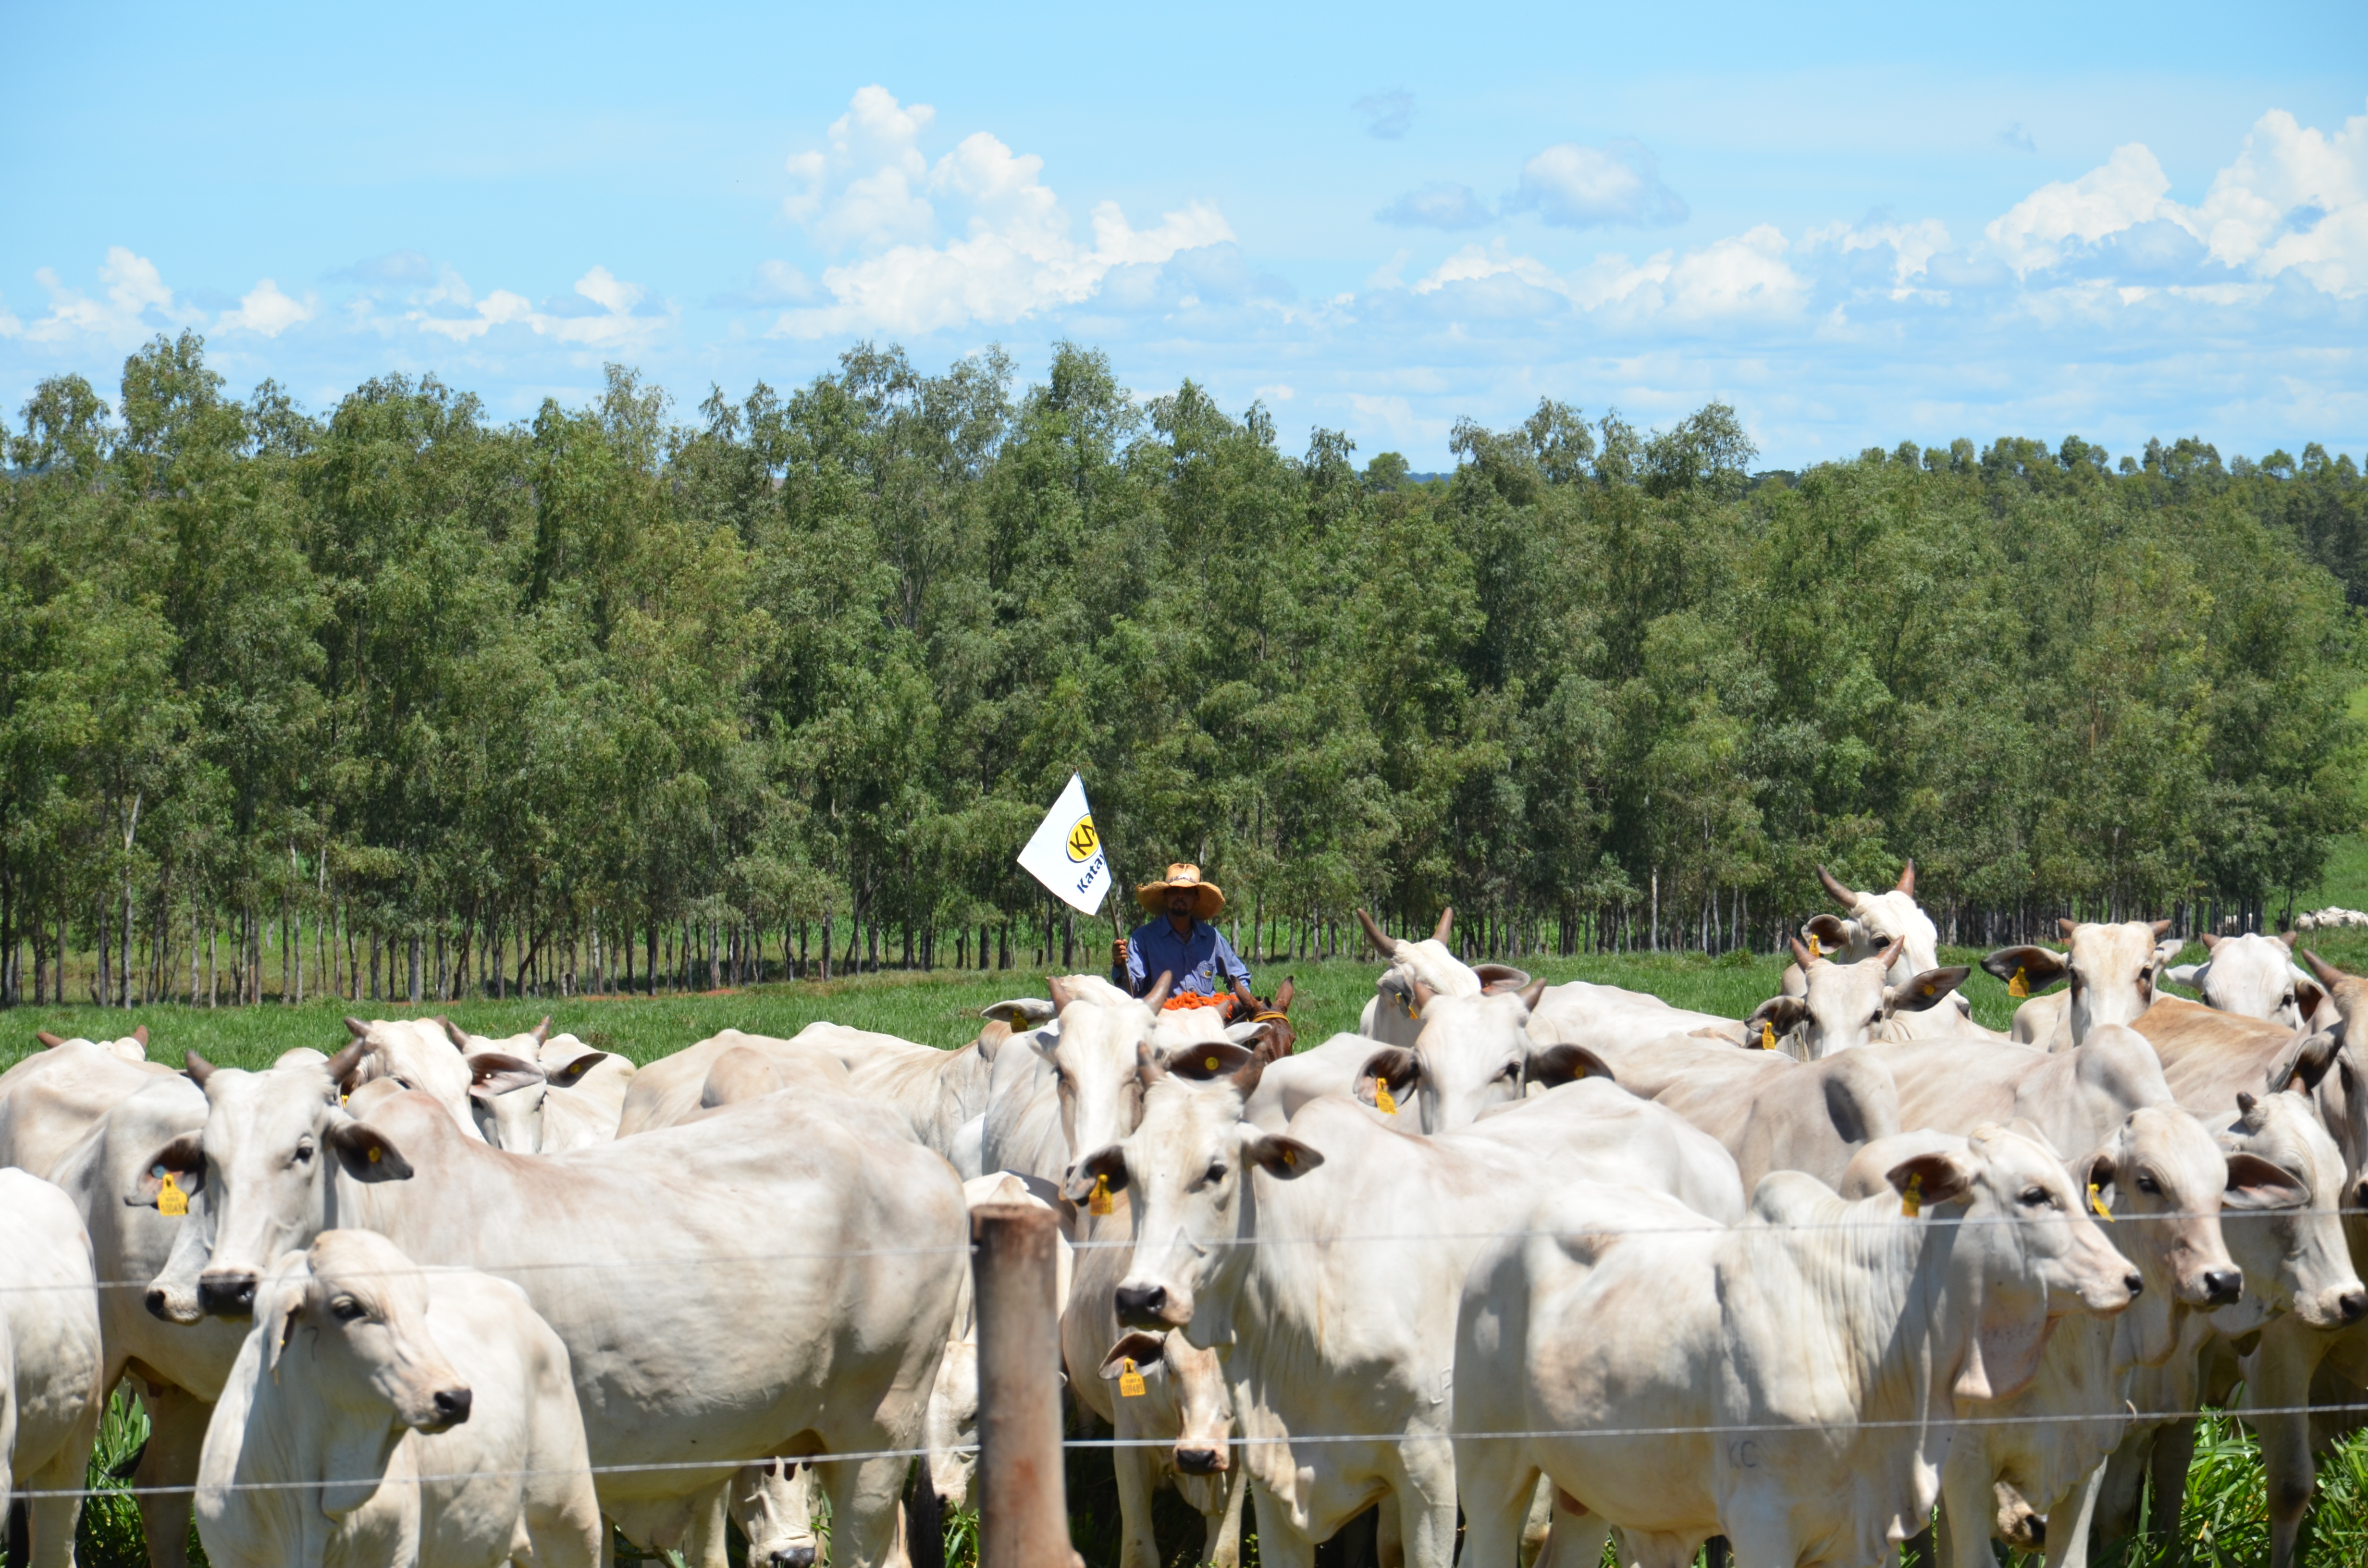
(341, 1066)
(1446, 924)
(1908, 879)
(1059, 991)
(1422, 994)
(1890, 955)
(199, 1068)
(1158, 995)
(1835, 890)
(48, 1039)
(2162, 929)
(456, 1034)
(140, 1033)
(542, 1029)
(1802, 955)
(1148, 1067)
(2326, 972)
(1375, 935)
(2066, 926)
(355, 1027)
(2210, 940)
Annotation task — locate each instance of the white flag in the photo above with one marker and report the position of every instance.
(1066, 853)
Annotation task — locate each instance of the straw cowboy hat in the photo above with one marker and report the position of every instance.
(1208, 898)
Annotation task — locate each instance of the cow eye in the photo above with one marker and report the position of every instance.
(303, 1150)
(1217, 1171)
(345, 1309)
(2037, 1196)
(2146, 1184)
(1512, 1069)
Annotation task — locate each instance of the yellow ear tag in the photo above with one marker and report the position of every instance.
(374, 1153)
(2097, 1204)
(1129, 1382)
(1290, 1158)
(1382, 1101)
(1766, 1035)
(2020, 985)
(170, 1200)
(1210, 1063)
(1911, 1202)
(1815, 952)
(1099, 1203)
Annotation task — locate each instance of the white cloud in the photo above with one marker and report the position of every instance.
(1446, 204)
(1017, 255)
(2295, 198)
(2128, 189)
(1913, 245)
(1744, 275)
(1580, 187)
(614, 325)
(266, 311)
(134, 290)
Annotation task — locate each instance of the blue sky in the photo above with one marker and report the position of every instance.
(1857, 224)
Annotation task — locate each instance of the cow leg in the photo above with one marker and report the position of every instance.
(1416, 1528)
(53, 1518)
(704, 1545)
(1223, 1549)
(1495, 1504)
(1965, 1506)
(1138, 1477)
(2068, 1521)
(866, 1514)
(2277, 1377)
(1573, 1540)
(1280, 1543)
(176, 1434)
(1537, 1526)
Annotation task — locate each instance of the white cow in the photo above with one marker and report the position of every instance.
(938, 1091)
(1790, 1381)
(418, 1054)
(2255, 976)
(380, 1413)
(2112, 970)
(1876, 921)
(669, 1090)
(538, 1093)
(177, 1371)
(1769, 1111)
(1469, 1053)
(1845, 1007)
(1394, 1015)
(48, 1101)
(1328, 1259)
(951, 1430)
(51, 1392)
(829, 1242)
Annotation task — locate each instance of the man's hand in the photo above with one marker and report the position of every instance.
(1117, 953)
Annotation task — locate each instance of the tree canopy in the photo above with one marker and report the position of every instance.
(618, 691)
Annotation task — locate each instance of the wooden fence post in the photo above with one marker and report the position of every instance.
(1023, 1513)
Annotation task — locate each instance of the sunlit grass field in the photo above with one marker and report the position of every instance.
(2224, 1524)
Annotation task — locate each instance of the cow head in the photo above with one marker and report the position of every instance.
(505, 1098)
(1195, 1384)
(1185, 1168)
(2161, 1177)
(270, 1146)
(419, 1053)
(2253, 976)
(1395, 1016)
(2029, 1250)
(2281, 1224)
(772, 1502)
(2112, 970)
(1873, 922)
(349, 1318)
(1472, 1053)
(1093, 1056)
(1846, 1003)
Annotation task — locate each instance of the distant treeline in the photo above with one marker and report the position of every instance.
(399, 699)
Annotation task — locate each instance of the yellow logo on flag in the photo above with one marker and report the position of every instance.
(1084, 840)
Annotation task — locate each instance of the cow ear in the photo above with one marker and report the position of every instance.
(366, 1153)
(1108, 1163)
(1554, 1065)
(2306, 1066)
(183, 1158)
(1393, 1066)
(1943, 1176)
(1781, 1014)
(2038, 966)
(2103, 1170)
(1021, 1012)
(283, 1313)
(1501, 977)
(2255, 1183)
(573, 1073)
(2308, 996)
(1280, 1156)
(1209, 1060)
(1927, 988)
(493, 1073)
(2184, 974)
(1831, 931)
(1143, 1349)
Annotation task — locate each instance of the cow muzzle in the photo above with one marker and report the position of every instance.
(452, 1406)
(1200, 1462)
(1151, 1306)
(2222, 1287)
(226, 1295)
(799, 1556)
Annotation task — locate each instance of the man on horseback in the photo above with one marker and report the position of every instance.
(1183, 944)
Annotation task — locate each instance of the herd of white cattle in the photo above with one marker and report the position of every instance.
(1557, 1261)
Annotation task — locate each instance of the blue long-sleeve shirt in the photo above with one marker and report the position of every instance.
(1203, 962)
